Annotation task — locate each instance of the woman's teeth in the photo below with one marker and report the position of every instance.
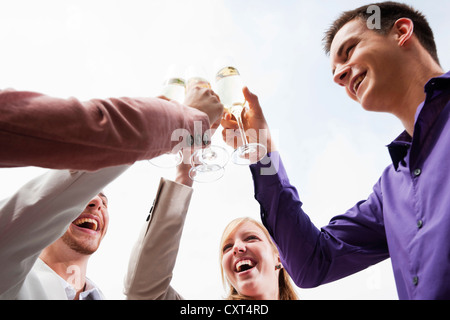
(244, 265)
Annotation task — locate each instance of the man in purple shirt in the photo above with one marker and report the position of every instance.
(393, 69)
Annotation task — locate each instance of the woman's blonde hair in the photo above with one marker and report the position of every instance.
(286, 289)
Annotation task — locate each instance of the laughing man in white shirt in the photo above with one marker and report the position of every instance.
(45, 243)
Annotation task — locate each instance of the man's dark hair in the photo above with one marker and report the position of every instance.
(390, 12)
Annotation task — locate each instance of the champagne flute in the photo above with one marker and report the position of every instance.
(208, 164)
(229, 88)
(173, 89)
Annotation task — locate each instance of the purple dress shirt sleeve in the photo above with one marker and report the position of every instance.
(407, 212)
(349, 243)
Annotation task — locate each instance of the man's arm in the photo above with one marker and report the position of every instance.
(154, 254)
(349, 243)
(38, 214)
(39, 130)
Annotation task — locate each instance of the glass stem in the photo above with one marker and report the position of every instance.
(241, 128)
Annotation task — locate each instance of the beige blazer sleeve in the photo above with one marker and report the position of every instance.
(154, 254)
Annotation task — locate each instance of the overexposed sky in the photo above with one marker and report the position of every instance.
(333, 150)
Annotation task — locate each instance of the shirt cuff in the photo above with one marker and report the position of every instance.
(268, 171)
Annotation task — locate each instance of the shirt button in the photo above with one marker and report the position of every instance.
(415, 280)
(417, 172)
(419, 224)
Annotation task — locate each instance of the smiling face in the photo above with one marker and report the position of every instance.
(86, 232)
(248, 260)
(369, 65)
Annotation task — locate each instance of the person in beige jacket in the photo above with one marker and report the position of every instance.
(33, 220)
(35, 217)
(154, 254)
(247, 252)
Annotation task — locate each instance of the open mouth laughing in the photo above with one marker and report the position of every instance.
(356, 82)
(87, 223)
(243, 265)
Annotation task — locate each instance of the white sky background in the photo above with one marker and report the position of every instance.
(333, 150)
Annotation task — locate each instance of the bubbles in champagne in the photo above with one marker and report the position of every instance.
(229, 88)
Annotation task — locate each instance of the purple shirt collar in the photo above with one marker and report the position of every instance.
(423, 120)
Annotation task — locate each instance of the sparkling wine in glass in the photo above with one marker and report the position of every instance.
(229, 86)
(174, 88)
(208, 164)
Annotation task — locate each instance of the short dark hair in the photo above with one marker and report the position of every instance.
(390, 13)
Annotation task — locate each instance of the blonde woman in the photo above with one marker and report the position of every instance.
(249, 260)
(250, 263)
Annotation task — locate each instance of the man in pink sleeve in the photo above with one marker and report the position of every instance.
(44, 245)
(38, 130)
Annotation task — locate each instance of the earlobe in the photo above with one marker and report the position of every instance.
(404, 28)
(278, 266)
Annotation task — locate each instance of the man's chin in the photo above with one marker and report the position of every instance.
(85, 247)
(373, 107)
(369, 104)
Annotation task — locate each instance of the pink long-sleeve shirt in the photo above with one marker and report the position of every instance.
(49, 132)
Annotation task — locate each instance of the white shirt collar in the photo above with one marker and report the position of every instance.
(91, 291)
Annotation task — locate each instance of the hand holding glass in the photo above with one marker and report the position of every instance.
(207, 163)
(229, 88)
